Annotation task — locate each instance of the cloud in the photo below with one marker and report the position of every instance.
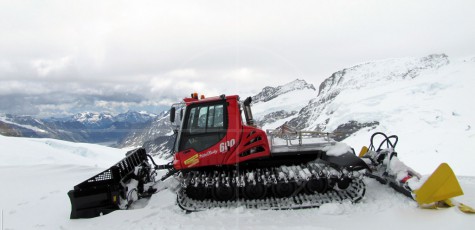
(46, 67)
(18, 105)
(145, 54)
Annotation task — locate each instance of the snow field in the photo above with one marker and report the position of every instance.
(33, 195)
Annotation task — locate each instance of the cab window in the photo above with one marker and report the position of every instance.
(205, 126)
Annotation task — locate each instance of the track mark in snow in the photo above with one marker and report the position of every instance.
(333, 208)
(150, 215)
(22, 203)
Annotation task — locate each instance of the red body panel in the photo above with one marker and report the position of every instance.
(241, 142)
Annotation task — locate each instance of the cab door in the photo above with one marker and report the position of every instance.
(204, 126)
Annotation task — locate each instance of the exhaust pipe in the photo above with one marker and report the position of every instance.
(248, 112)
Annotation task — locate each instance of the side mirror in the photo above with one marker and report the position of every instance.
(172, 114)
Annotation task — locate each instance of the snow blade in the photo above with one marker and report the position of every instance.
(101, 193)
(441, 185)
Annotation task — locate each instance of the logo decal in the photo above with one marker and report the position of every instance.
(193, 160)
(223, 147)
(207, 154)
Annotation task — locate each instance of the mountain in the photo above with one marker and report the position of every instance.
(94, 119)
(28, 126)
(156, 137)
(268, 93)
(355, 82)
(134, 117)
(273, 106)
(90, 127)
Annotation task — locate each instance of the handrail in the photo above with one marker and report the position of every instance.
(290, 135)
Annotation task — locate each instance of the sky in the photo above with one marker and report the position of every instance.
(59, 57)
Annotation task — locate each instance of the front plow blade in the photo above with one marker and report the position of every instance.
(101, 193)
(441, 185)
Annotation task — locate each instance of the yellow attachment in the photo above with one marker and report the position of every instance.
(363, 151)
(447, 203)
(462, 207)
(441, 185)
(466, 209)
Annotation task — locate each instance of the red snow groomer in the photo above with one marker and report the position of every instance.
(223, 160)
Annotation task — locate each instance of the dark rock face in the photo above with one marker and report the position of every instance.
(274, 116)
(160, 126)
(161, 146)
(345, 130)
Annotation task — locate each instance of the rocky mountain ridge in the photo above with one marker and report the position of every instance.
(91, 127)
(318, 113)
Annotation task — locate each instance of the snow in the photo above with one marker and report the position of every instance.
(337, 149)
(33, 196)
(32, 151)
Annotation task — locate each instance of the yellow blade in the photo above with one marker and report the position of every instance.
(363, 151)
(441, 185)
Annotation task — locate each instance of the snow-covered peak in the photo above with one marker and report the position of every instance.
(275, 105)
(380, 72)
(134, 117)
(145, 113)
(268, 93)
(92, 117)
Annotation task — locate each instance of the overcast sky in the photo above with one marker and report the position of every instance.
(61, 57)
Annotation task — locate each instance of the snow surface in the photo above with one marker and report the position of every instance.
(33, 196)
(32, 151)
(338, 149)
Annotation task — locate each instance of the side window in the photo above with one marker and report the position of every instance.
(215, 117)
(204, 128)
(191, 120)
(202, 119)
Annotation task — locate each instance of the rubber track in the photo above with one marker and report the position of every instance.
(353, 193)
